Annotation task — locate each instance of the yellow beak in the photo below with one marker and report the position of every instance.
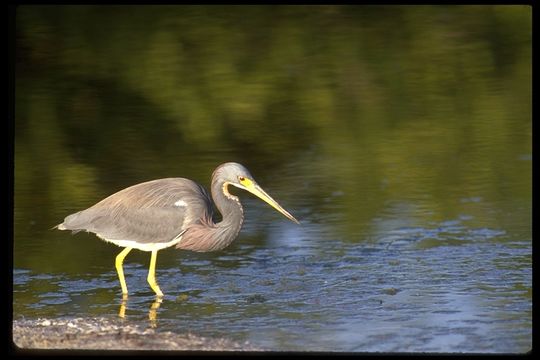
(256, 190)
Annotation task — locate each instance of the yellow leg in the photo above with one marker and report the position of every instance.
(152, 274)
(120, 270)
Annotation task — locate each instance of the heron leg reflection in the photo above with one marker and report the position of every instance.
(152, 274)
(120, 270)
(122, 312)
(152, 314)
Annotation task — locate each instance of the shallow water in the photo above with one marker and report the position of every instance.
(412, 183)
(447, 288)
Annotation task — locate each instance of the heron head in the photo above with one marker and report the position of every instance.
(237, 175)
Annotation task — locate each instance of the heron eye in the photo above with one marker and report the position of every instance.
(241, 178)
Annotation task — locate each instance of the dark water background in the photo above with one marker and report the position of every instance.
(399, 136)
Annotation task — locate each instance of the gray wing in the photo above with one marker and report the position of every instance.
(155, 211)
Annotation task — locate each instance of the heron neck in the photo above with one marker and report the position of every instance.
(231, 211)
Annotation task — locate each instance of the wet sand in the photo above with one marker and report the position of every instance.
(107, 334)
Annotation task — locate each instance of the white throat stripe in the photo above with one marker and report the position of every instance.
(180, 203)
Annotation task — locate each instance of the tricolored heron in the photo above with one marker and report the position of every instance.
(157, 214)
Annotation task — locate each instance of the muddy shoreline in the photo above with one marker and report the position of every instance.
(111, 334)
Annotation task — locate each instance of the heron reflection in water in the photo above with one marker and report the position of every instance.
(158, 214)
